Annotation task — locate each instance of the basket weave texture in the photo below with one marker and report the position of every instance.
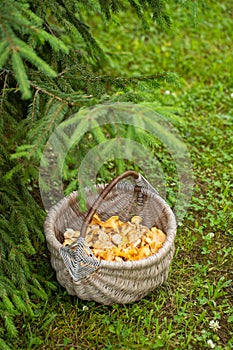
(113, 282)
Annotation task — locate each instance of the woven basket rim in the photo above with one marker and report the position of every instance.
(56, 209)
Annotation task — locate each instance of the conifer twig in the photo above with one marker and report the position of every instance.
(51, 122)
(33, 104)
(162, 75)
(60, 99)
(4, 86)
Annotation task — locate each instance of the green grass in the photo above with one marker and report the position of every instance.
(199, 289)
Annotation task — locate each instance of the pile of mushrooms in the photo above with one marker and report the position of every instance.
(115, 240)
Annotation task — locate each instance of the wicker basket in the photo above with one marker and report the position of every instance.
(113, 282)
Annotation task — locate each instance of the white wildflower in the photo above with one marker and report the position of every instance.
(211, 344)
(211, 235)
(214, 325)
(231, 95)
(167, 92)
(85, 307)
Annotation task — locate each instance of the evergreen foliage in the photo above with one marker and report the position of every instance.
(51, 65)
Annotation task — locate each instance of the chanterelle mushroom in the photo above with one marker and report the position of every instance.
(136, 220)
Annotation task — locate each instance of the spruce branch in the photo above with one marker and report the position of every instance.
(55, 96)
(161, 76)
(20, 20)
(21, 75)
(29, 54)
(4, 53)
(60, 108)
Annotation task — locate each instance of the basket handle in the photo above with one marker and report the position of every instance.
(102, 195)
